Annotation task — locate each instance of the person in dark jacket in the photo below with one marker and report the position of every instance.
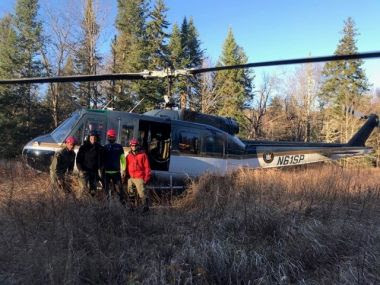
(138, 171)
(114, 161)
(89, 161)
(62, 165)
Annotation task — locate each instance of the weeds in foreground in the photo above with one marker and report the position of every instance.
(310, 226)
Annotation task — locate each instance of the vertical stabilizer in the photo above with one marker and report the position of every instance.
(365, 131)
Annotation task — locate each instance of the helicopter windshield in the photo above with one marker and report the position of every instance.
(60, 133)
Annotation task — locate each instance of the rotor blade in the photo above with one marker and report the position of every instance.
(288, 61)
(79, 78)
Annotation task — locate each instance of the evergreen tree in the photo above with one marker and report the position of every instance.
(176, 56)
(131, 50)
(157, 37)
(157, 50)
(10, 100)
(87, 58)
(185, 60)
(175, 47)
(195, 58)
(344, 84)
(195, 53)
(29, 43)
(234, 87)
(185, 52)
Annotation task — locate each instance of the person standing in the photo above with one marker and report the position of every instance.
(89, 161)
(62, 165)
(138, 171)
(114, 161)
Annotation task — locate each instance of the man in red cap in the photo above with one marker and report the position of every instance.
(138, 171)
(63, 165)
(113, 162)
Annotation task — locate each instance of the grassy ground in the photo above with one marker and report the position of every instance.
(311, 226)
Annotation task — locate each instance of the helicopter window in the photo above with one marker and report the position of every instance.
(60, 133)
(188, 142)
(78, 133)
(142, 138)
(97, 125)
(213, 143)
(126, 134)
(235, 146)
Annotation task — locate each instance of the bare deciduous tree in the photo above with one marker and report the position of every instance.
(209, 97)
(260, 106)
(61, 45)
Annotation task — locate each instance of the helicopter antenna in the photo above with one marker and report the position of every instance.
(109, 102)
(138, 103)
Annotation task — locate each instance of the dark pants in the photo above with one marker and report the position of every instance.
(61, 183)
(118, 186)
(88, 181)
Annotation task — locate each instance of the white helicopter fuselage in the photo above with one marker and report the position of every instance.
(179, 149)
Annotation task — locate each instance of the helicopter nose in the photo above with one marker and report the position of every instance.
(39, 159)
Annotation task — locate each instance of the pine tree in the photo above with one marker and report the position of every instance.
(234, 87)
(10, 99)
(29, 43)
(195, 59)
(157, 51)
(185, 52)
(176, 56)
(131, 50)
(175, 47)
(195, 53)
(157, 36)
(344, 84)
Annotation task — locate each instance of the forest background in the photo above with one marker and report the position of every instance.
(308, 103)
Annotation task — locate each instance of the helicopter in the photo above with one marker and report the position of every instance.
(183, 144)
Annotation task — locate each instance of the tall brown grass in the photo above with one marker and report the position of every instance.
(308, 226)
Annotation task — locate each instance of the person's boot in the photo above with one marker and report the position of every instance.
(131, 201)
(146, 206)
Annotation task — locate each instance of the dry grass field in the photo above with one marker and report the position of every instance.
(319, 225)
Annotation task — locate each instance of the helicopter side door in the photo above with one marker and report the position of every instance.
(155, 139)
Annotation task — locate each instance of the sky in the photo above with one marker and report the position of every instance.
(270, 29)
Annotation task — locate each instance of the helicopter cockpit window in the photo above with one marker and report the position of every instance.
(188, 142)
(78, 132)
(60, 133)
(126, 135)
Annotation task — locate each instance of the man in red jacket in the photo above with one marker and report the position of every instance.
(138, 171)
